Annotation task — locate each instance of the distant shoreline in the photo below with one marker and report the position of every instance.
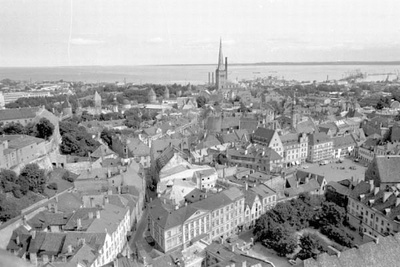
(325, 63)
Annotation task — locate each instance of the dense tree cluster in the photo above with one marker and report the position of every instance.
(43, 129)
(31, 179)
(76, 141)
(276, 227)
(310, 246)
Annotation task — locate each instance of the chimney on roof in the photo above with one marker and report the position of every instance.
(376, 190)
(244, 264)
(386, 195)
(106, 200)
(97, 214)
(81, 241)
(79, 223)
(246, 186)
(33, 234)
(69, 249)
(371, 186)
(91, 215)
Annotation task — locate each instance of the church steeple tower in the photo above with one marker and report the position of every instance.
(221, 73)
(221, 65)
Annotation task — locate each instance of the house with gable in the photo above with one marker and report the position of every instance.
(268, 138)
(216, 217)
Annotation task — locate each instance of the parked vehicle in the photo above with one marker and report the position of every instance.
(356, 160)
(323, 162)
(305, 167)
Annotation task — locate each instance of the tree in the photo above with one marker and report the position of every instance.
(14, 128)
(201, 101)
(34, 177)
(337, 235)
(310, 247)
(67, 176)
(282, 240)
(45, 128)
(106, 136)
(331, 214)
(52, 186)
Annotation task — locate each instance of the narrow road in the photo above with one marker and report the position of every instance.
(140, 230)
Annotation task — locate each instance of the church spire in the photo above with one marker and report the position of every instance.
(221, 65)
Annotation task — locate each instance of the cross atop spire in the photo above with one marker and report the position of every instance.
(221, 65)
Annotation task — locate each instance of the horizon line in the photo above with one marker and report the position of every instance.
(274, 63)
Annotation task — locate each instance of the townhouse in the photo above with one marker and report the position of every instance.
(268, 138)
(258, 200)
(295, 148)
(215, 217)
(89, 236)
(255, 157)
(343, 146)
(320, 147)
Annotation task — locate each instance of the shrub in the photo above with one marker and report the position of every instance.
(66, 176)
(52, 186)
(337, 235)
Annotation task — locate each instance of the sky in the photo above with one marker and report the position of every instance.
(152, 32)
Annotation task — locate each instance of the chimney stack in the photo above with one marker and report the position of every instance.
(97, 214)
(371, 186)
(33, 234)
(376, 190)
(79, 223)
(91, 215)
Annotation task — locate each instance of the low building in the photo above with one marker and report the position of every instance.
(255, 157)
(19, 150)
(304, 182)
(132, 148)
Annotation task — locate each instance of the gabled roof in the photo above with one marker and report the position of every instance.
(18, 113)
(343, 141)
(319, 138)
(102, 151)
(388, 168)
(230, 122)
(307, 126)
(264, 133)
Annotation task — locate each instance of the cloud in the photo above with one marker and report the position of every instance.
(155, 40)
(85, 41)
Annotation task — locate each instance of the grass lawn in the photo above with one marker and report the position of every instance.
(56, 177)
